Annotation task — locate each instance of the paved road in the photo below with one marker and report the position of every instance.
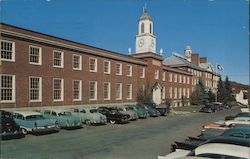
(145, 139)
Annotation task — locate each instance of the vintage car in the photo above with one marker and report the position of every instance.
(141, 113)
(113, 115)
(163, 109)
(124, 110)
(242, 114)
(34, 122)
(9, 128)
(63, 117)
(215, 126)
(151, 111)
(89, 115)
(210, 108)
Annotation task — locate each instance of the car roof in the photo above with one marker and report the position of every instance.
(229, 140)
(57, 110)
(27, 113)
(223, 149)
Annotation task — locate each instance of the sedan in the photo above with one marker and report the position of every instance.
(113, 115)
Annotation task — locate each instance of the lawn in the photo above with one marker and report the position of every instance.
(191, 108)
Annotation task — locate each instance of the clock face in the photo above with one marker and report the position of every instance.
(141, 42)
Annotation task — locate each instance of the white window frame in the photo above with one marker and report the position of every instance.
(170, 92)
(95, 64)
(156, 75)
(188, 80)
(175, 93)
(170, 77)
(129, 94)
(180, 93)
(187, 92)
(180, 78)
(163, 92)
(12, 54)
(175, 78)
(109, 67)
(143, 72)
(120, 95)
(95, 91)
(163, 76)
(184, 79)
(80, 62)
(80, 90)
(62, 59)
(40, 55)
(184, 92)
(109, 90)
(13, 91)
(40, 89)
(129, 70)
(120, 68)
(62, 90)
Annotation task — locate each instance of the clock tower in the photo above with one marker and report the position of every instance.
(145, 40)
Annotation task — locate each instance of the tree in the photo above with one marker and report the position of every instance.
(220, 91)
(211, 96)
(228, 94)
(144, 95)
(199, 95)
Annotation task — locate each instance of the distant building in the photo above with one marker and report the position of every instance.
(241, 97)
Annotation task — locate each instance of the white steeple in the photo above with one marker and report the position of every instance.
(145, 39)
(188, 53)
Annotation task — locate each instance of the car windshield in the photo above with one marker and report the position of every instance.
(93, 111)
(34, 117)
(64, 114)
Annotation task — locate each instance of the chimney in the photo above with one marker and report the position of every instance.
(195, 59)
(203, 60)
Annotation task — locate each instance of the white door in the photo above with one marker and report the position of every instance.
(157, 95)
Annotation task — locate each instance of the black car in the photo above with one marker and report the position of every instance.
(113, 115)
(9, 128)
(162, 109)
(209, 108)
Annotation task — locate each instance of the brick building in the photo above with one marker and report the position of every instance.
(39, 70)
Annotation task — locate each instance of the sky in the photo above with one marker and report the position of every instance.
(216, 29)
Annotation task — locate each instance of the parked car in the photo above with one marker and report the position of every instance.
(34, 122)
(209, 108)
(163, 109)
(141, 113)
(242, 114)
(152, 112)
(131, 113)
(113, 115)
(9, 128)
(64, 118)
(89, 115)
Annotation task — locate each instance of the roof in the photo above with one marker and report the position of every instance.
(207, 66)
(27, 113)
(175, 61)
(145, 15)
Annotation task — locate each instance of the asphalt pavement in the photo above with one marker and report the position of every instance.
(141, 139)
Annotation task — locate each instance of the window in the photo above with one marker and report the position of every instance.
(58, 88)
(7, 50)
(77, 90)
(187, 92)
(106, 67)
(163, 76)
(118, 69)
(118, 91)
(77, 62)
(170, 77)
(175, 93)
(180, 92)
(170, 93)
(175, 78)
(58, 59)
(106, 90)
(7, 88)
(129, 70)
(184, 92)
(35, 91)
(180, 79)
(129, 91)
(187, 80)
(92, 90)
(156, 74)
(163, 92)
(142, 72)
(184, 79)
(92, 64)
(142, 28)
(150, 28)
(35, 55)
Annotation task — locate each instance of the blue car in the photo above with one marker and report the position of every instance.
(34, 122)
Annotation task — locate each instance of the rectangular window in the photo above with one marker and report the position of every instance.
(7, 50)
(92, 90)
(106, 90)
(92, 64)
(187, 92)
(129, 91)
(163, 92)
(142, 72)
(175, 93)
(188, 80)
(170, 77)
(58, 59)
(106, 67)
(175, 78)
(184, 92)
(180, 78)
(118, 69)
(58, 89)
(184, 79)
(7, 88)
(170, 93)
(129, 70)
(163, 76)
(180, 92)
(156, 74)
(77, 90)
(118, 91)
(77, 62)
(35, 55)
(35, 89)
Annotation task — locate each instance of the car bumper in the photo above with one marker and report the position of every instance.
(45, 129)
(12, 135)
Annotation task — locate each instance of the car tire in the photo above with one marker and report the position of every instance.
(87, 122)
(112, 121)
(24, 131)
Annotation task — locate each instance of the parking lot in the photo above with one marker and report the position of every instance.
(144, 138)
